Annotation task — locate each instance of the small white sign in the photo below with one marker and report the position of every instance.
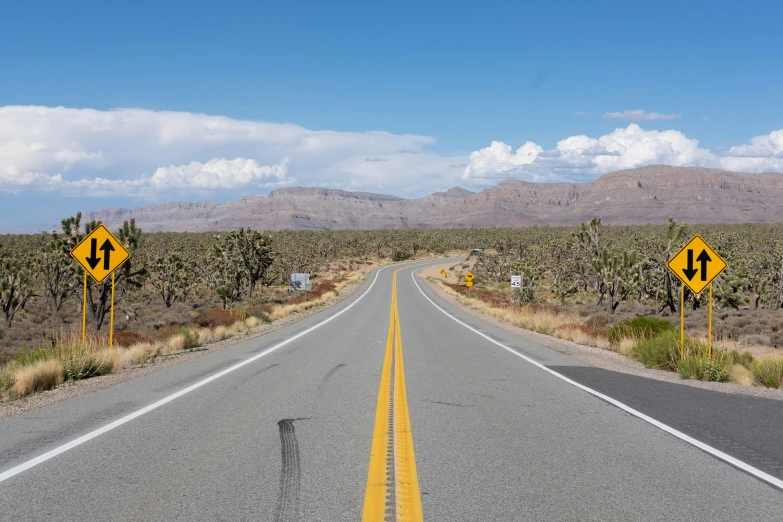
(516, 281)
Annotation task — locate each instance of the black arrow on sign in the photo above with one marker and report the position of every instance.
(690, 271)
(92, 260)
(107, 248)
(704, 258)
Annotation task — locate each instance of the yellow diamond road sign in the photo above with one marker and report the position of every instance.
(697, 264)
(100, 253)
(469, 277)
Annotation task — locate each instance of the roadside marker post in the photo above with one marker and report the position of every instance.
(516, 288)
(696, 277)
(469, 281)
(113, 256)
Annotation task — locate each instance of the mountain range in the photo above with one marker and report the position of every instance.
(643, 195)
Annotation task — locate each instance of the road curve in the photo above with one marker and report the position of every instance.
(281, 428)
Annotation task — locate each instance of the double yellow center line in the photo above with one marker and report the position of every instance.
(392, 493)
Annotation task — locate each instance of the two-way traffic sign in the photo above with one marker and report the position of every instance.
(697, 264)
(100, 253)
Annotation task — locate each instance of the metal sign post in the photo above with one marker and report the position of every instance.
(469, 281)
(696, 276)
(113, 255)
(516, 285)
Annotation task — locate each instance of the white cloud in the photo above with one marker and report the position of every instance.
(220, 173)
(580, 158)
(135, 153)
(156, 152)
(640, 115)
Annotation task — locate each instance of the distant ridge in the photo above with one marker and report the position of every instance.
(644, 195)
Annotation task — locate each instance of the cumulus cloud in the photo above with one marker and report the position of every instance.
(640, 115)
(158, 155)
(580, 158)
(158, 152)
(220, 173)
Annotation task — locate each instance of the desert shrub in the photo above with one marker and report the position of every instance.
(126, 338)
(214, 318)
(663, 352)
(737, 357)
(401, 255)
(640, 328)
(692, 368)
(6, 381)
(28, 357)
(716, 370)
(260, 313)
(776, 339)
(768, 371)
(738, 374)
(754, 340)
(599, 319)
(82, 364)
(190, 339)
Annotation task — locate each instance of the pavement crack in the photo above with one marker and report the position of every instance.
(290, 473)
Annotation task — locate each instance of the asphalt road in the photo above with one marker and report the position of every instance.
(284, 432)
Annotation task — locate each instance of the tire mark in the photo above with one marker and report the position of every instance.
(290, 473)
(454, 404)
(329, 374)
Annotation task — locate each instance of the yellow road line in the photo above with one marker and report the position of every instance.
(401, 502)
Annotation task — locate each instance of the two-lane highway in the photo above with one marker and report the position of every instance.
(321, 420)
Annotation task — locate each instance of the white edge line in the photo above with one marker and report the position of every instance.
(138, 413)
(766, 477)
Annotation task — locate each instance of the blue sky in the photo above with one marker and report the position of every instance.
(457, 75)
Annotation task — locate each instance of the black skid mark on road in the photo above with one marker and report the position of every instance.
(454, 404)
(290, 473)
(329, 375)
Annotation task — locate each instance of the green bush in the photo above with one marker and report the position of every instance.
(691, 368)
(259, 314)
(663, 352)
(84, 366)
(641, 328)
(190, 339)
(6, 381)
(769, 371)
(716, 370)
(737, 357)
(400, 255)
(704, 369)
(28, 357)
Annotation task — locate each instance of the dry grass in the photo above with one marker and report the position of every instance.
(550, 320)
(176, 343)
(72, 359)
(40, 376)
(738, 374)
(624, 346)
(252, 322)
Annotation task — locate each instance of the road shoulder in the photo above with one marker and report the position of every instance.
(599, 357)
